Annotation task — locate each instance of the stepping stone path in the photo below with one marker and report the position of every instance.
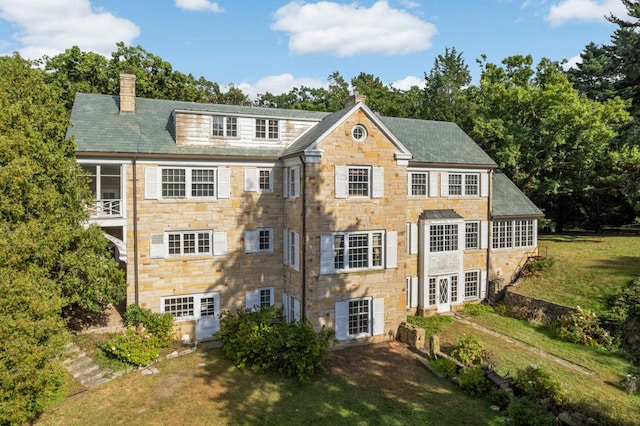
(84, 370)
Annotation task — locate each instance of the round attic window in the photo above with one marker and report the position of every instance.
(359, 133)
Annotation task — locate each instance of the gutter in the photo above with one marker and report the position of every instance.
(303, 245)
(489, 228)
(135, 233)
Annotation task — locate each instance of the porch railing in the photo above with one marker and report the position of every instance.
(106, 208)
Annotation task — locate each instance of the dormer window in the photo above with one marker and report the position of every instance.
(267, 129)
(224, 126)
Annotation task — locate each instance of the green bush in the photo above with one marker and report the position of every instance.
(132, 348)
(158, 325)
(540, 264)
(261, 340)
(477, 309)
(525, 412)
(538, 385)
(473, 381)
(583, 327)
(470, 351)
(445, 366)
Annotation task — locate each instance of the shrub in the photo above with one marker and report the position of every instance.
(525, 412)
(261, 340)
(477, 309)
(132, 348)
(540, 264)
(158, 325)
(445, 366)
(470, 351)
(582, 326)
(473, 381)
(538, 385)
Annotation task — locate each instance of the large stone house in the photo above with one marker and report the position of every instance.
(349, 219)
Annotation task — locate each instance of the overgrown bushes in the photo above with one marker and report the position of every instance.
(141, 343)
(261, 340)
(583, 327)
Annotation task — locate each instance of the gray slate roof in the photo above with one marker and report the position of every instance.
(439, 214)
(509, 201)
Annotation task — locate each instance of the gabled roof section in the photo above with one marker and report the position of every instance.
(440, 215)
(315, 135)
(437, 142)
(99, 127)
(509, 201)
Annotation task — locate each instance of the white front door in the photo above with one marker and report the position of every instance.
(443, 294)
(207, 315)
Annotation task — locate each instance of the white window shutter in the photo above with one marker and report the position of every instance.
(296, 172)
(326, 254)
(219, 243)
(152, 179)
(414, 238)
(484, 184)
(342, 316)
(433, 184)
(252, 299)
(414, 292)
(444, 184)
(408, 184)
(392, 249)
(296, 308)
(251, 179)
(156, 246)
(285, 306)
(296, 261)
(484, 234)
(285, 182)
(378, 316)
(224, 182)
(250, 241)
(271, 297)
(378, 182)
(483, 284)
(342, 184)
(285, 246)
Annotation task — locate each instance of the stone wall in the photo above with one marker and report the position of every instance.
(535, 308)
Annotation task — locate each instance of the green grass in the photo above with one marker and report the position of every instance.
(587, 271)
(432, 325)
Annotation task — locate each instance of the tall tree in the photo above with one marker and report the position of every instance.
(50, 262)
(445, 96)
(553, 142)
(592, 75)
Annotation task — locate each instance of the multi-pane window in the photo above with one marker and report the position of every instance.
(454, 288)
(358, 250)
(471, 235)
(265, 180)
(265, 296)
(471, 284)
(467, 184)
(418, 184)
(359, 317)
(105, 182)
(224, 126)
(265, 236)
(513, 233)
(359, 180)
(180, 307)
(443, 237)
(267, 129)
(432, 291)
(259, 240)
(188, 243)
(188, 182)
(293, 182)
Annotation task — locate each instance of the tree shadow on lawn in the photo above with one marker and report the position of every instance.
(373, 384)
(620, 265)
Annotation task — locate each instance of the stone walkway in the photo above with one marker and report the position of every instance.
(84, 370)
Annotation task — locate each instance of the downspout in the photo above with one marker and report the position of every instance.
(303, 266)
(135, 233)
(489, 228)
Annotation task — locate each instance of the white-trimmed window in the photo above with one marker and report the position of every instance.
(514, 233)
(464, 184)
(291, 182)
(443, 237)
(105, 184)
(290, 307)
(185, 243)
(359, 133)
(258, 240)
(259, 298)
(222, 126)
(432, 291)
(267, 128)
(418, 184)
(359, 182)
(258, 179)
(358, 250)
(412, 292)
(291, 250)
(181, 307)
(187, 182)
(472, 235)
(471, 284)
(361, 317)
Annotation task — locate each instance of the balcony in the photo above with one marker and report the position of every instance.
(106, 209)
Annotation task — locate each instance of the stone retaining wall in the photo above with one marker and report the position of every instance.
(535, 308)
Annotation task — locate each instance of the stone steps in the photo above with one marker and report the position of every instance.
(83, 369)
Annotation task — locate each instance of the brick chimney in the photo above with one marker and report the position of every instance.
(354, 99)
(127, 93)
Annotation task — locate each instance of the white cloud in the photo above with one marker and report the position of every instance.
(279, 84)
(348, 29)
(45, 27)
(408, 82)
(584, 10)
(199, 5)
(572, 63)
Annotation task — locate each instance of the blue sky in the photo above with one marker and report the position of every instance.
(272, 46)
